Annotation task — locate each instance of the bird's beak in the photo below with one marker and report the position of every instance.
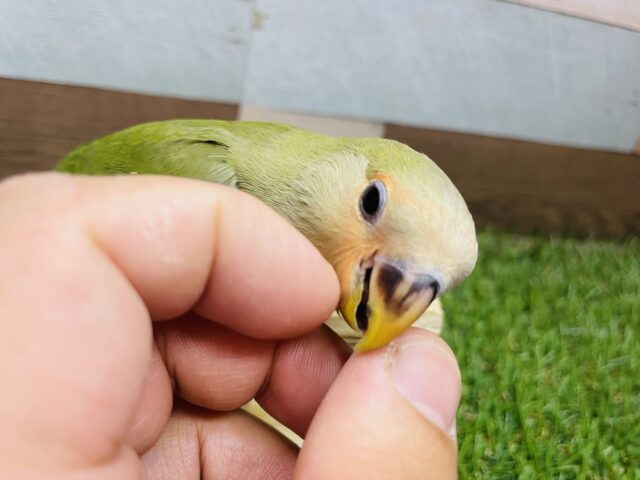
(386, 299)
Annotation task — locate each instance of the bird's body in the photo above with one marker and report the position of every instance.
(391, 223)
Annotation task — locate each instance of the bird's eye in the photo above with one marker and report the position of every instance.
(373, 200)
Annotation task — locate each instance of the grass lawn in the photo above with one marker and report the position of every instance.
(547, 333)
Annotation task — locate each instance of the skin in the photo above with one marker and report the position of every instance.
(130, 333)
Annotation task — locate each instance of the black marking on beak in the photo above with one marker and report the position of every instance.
(420, 284)
(363, 311)
(389, 278)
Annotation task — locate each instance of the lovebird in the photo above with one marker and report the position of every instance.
(390, 222)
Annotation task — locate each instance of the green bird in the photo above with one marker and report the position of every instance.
(391, 223)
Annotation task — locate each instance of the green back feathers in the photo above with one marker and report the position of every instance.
(201, 149)
(263, 159)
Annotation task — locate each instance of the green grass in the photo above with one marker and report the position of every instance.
(547, 333)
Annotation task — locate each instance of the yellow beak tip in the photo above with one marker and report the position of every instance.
(372, 341)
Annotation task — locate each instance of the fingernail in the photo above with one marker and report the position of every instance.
(427, 375)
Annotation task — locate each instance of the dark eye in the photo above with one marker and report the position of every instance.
(372, 201)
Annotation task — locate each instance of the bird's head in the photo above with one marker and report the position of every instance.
(394, 227)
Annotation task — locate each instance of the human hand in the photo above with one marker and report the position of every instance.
(138, 313)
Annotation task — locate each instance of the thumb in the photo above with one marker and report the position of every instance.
(389, 415)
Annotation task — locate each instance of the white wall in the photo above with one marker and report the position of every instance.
(190, 48)
(472, 65)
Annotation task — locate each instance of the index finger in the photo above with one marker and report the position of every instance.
(187, 244)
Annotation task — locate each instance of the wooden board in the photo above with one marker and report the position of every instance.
(510, 184)
(530, 187)
(41, 122)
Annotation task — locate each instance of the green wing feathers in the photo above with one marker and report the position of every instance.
(214, 150)
(187, 148)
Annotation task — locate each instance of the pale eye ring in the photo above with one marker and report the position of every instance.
(373, 201)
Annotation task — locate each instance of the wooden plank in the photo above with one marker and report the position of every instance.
(41, 122)
(517, 185)
(619, 13)
(530, 187)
